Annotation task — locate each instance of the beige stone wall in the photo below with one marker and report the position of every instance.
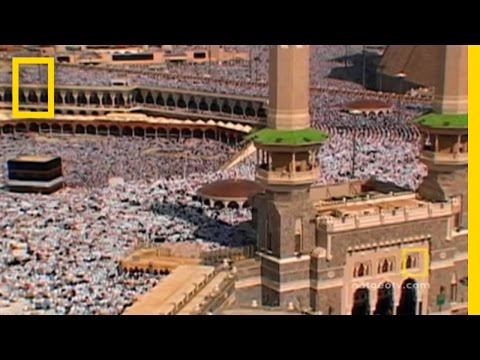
(376, 278)
(437, 228)
(341, 258)
(461, 243)
(438, 278)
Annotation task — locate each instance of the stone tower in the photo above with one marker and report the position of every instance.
(289, 87)
(445, 133)
(451, 92)
(287, 166)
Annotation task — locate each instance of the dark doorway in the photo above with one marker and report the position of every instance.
(408, 298)
(385, 300)
(361, 302)
(149, 99)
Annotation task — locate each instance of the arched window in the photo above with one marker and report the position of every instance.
(385, 266)
(412, 261)
(361, 269)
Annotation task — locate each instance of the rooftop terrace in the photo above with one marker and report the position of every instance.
(384, 210)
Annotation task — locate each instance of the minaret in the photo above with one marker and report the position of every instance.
(445, 133)
(451, 93)
(289, 87)
(287, 166)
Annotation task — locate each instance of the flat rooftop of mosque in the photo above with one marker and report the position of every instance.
(365, 206)
(35, 158)
(365, 198)
(371, 209)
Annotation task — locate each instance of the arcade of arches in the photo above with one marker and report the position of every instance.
(379, 285)
(385, 305)
(175, 131)
(233, 193)
(92, 100)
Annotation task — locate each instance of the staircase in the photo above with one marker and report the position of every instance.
(240, 156)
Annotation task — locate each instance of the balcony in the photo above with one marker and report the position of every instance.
(445, 158)
(287, 178)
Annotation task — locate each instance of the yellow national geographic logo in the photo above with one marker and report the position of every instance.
(415, 262)
(16, 62)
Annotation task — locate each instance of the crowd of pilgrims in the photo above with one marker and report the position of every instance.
(241, 77)
(60, 252)
(384, 145)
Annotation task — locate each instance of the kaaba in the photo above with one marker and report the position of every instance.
(33, 173)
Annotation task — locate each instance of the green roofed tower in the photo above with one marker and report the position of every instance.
(445, 133)
(287, 166)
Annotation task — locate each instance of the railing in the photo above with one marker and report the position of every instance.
(288, 177)
(446, 158)
(216, 257)
(333, 224)
(191, 295)
(367, 197)
(145, 245)
(218, 297)
(239, 156)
